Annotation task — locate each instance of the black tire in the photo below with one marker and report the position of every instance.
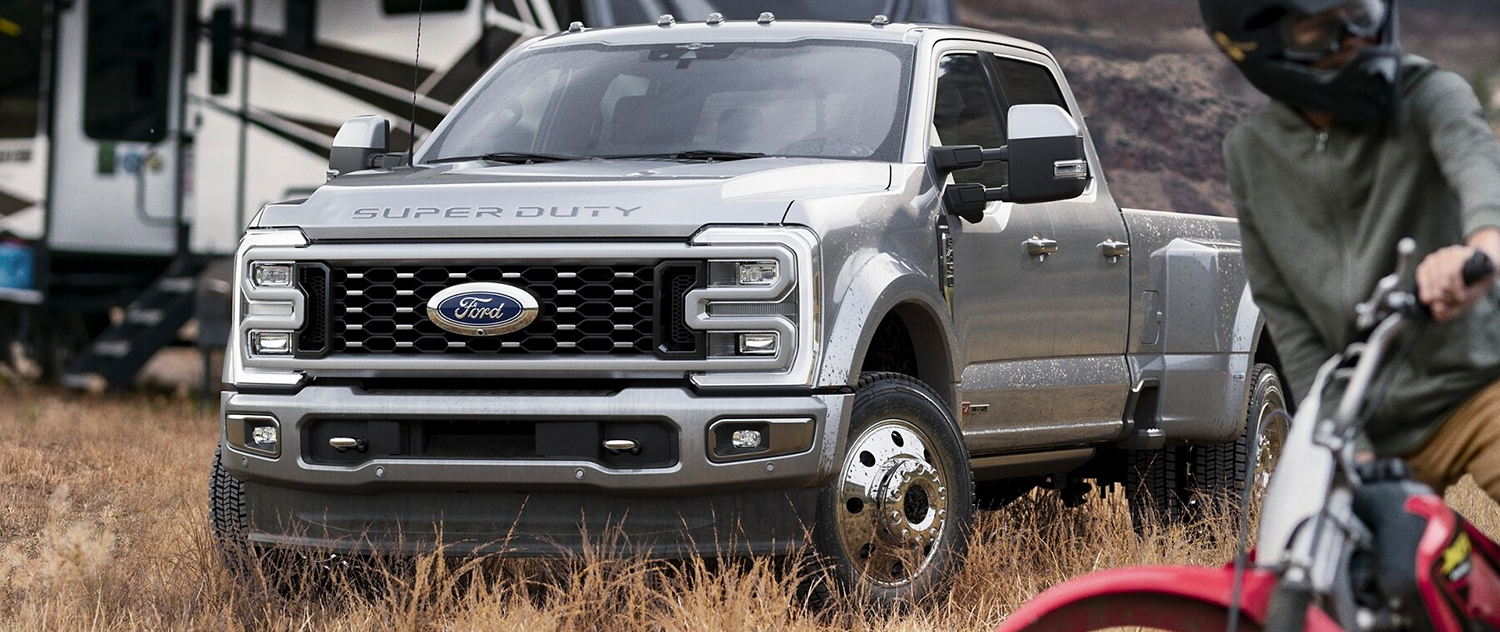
(1219, 470)
(927, 495)
(230, 520)
(1156, 484)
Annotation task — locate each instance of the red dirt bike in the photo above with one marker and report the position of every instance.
(1343, 545)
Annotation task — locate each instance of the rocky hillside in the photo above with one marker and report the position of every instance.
(1159, 97)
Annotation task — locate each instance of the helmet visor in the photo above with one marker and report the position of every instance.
(1312, 37)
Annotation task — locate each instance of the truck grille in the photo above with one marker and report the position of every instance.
(583, 309)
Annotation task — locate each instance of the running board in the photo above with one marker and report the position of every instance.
(993, 468)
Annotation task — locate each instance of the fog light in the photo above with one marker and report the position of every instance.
(264, 436)
(745, 439)
(759, 343)
(756, 272)
(271, 274)
(270, 342)
(254, 433)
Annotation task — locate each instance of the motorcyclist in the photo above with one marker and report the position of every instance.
(1360, 146)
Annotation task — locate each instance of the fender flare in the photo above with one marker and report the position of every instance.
(881, 285)
(1176, 598)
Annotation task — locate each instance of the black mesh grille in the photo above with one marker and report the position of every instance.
(313, 338)
(583, 309)
(673, 338)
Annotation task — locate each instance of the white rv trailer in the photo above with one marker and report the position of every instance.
(138, 136)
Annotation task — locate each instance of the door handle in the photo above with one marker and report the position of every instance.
(1039, 246)
(1113, 249)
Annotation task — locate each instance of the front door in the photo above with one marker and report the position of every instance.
(1088, 279)
(1000, 298)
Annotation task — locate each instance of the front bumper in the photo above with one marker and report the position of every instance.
(534, 506)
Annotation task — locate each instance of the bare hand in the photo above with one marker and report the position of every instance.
(1440, 280)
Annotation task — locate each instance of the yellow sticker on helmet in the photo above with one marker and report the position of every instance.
(1235, 50)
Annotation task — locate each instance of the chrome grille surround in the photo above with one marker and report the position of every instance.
(795, 248)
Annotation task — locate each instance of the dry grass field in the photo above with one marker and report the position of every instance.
(103, 526)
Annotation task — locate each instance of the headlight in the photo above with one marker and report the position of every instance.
(759, 309)
(271, 274)
(263, 343)
(269, 309)
(756, 272)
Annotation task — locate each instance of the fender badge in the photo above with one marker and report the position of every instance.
(482, 309)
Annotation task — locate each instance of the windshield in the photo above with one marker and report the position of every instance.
(814, 98)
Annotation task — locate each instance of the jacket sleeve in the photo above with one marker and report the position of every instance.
(1298, 344)
(1463, 144)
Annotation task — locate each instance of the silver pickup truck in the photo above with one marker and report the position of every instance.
(731, 288)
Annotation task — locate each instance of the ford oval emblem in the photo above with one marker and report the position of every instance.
(482, 309)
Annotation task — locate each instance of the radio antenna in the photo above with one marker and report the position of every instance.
(416, 69)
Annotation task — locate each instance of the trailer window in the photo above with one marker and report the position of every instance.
(398, 7)
(127, 88)
(21, 73)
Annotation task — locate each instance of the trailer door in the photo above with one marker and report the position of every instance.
(115, 188)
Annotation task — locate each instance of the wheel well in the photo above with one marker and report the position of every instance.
(908, 340)
(1265, 353)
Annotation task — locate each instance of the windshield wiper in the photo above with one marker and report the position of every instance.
(520, 158)
(711, 155)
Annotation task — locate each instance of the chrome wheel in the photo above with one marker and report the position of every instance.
(1270, 432)
(894, 502)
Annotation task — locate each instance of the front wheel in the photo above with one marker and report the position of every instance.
(894, 523)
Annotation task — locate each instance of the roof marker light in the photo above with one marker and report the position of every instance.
(766, 18)
(715, 19)
(666, 20)
(880, 20)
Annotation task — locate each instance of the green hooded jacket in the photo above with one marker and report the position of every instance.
(1321, 213)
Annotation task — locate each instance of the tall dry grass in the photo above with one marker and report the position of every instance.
(103, 526)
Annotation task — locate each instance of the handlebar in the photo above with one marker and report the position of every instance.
(1477, 268)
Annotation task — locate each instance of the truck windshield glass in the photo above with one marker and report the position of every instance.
(810, 98)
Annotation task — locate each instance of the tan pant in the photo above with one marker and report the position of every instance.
(1467, 443)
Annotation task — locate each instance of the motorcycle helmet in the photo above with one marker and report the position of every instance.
(1276, 44)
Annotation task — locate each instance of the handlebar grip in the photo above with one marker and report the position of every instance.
(1477, 268)
(1287, 610)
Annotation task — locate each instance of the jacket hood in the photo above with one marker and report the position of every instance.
(580, 199)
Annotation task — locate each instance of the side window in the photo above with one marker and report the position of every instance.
(965, 113)
(1026, 83)
(126, 91)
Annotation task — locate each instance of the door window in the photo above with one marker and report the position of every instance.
(129, 55)
(1026, 83)
(965, 113)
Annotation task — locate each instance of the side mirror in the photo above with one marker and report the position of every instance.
(1047, 162)
(358, 142)
(220, 45)
(1045, 159)
(949, 158)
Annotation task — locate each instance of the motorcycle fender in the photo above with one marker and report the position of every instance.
(1174, 598)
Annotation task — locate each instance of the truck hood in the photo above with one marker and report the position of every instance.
(582, 199)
